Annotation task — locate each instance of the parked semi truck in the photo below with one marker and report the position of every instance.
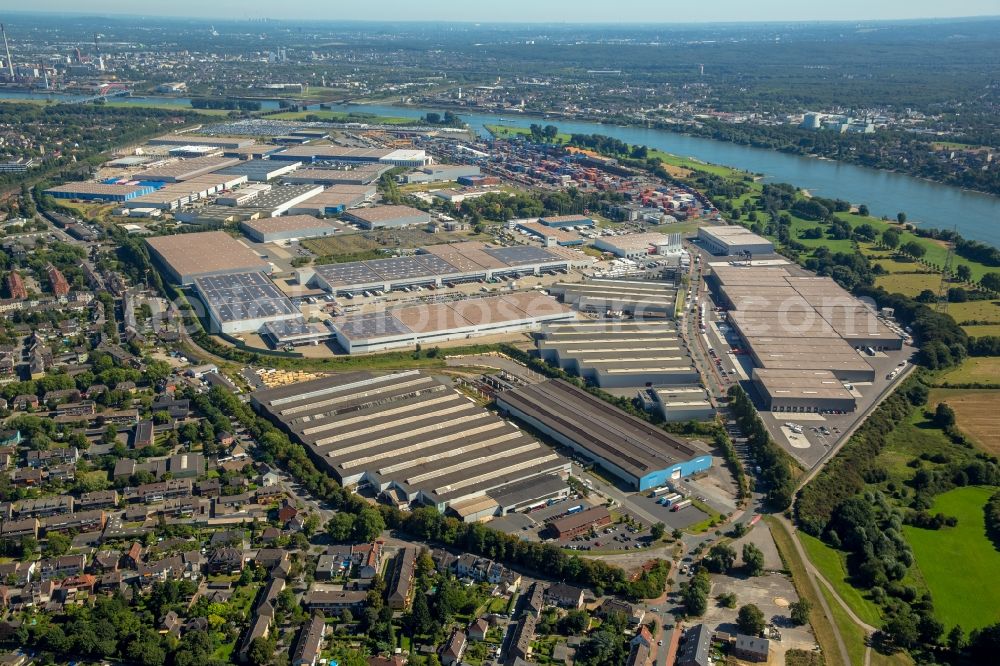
(683, 504)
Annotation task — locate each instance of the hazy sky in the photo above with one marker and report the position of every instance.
(602, 11)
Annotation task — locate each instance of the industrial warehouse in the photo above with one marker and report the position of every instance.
(316, 152)
(436, 265)
(453, 320)
(617, 354)
(733, 240)
(412, 440)
(637, 298)
(805, 334)
(641, 454)
(640, 246)
(379, 217)
(803, 391)
(243, 302)
(271, 229)
(189, 256)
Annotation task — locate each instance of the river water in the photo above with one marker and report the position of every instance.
(975, 215)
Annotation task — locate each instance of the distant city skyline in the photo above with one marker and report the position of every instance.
(528, 11)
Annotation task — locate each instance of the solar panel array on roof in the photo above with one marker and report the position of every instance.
(243, 296)
(406, 268)
(519, 255)
(372, 325)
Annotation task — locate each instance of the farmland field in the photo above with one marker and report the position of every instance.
(977, 413)
(984, 370)
(910, 284)
(981, 330)
(975, 311)
(956, 562)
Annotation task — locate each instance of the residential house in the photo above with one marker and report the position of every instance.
(696, 647)
(226, 561)
(564, 595)
(143, 436)
(478, 629)
(401, 581)
(751, 648)
(524, 634)
(57, 568)
(453, 650)
(99, 499)
(42, 507)
(333, 602)
(82, 521)
(612, 605)
(536, 600)
(310, 642)
(18, 529)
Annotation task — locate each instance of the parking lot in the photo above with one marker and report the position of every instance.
(672, 519)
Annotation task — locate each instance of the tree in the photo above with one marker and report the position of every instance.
(657, 531)
(720, 558)
(340, 527)
(56, 544)
(753, 559)
(750, 620)
(944, 415)
(913, 249)
(956, 639)
(991, 281)
(963, 273)
(901, 217)
(863, 210)
(902, 628)
(368, 524)
(799, 611)
(261, 650)
(890, 238)
(574, 623)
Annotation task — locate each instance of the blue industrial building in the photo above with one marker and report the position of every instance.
(628, 447)
(88, 191)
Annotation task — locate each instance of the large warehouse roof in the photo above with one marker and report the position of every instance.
(454, 261)
(189, 256)
(410, 431)
(630, 443)
(187, 169)
(244, 297)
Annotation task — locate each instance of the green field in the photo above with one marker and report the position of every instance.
(831, 564)
(911, 438)
(344, 117)
(910, 284)
(982, 330)
(984, 370)
(988, 310)
(960, 564)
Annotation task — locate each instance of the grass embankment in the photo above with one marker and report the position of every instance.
(830, 563)
(821, 624)
(853, 635)
(345, 117)
(960, 564)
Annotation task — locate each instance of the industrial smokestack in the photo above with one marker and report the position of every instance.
(6, 47)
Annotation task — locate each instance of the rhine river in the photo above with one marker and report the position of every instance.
(975, 215)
